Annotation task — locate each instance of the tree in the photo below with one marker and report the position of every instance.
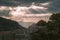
(55, 21)
(55, 17)
(39, 34)
(53, 27)
(41, 23)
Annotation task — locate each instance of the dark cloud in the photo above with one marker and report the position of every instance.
(29, 1)
(54, 6)
(8, 3)
(19, 2)
(4, 13)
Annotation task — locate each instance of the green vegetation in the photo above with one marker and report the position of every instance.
(50, 32)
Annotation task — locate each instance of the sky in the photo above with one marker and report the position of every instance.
(52, 5)
(31, 6)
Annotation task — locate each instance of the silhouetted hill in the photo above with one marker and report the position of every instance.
(9, 25)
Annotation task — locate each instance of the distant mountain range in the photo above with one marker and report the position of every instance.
(26, 24)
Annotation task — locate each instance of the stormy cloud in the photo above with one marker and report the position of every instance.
(53, 7)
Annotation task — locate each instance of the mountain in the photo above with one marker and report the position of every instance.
(9, 25)
(25, 24)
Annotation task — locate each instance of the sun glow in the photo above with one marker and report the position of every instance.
(19, 10)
